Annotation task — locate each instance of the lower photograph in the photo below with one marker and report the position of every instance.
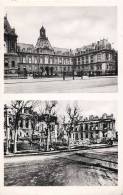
(60, 143)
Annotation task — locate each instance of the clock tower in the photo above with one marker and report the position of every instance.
(42, 33)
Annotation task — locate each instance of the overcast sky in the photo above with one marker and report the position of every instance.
(66, 27)
(86, 108)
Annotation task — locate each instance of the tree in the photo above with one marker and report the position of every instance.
(17, 107)
(46, 109)
(49, 111)
(74, 118)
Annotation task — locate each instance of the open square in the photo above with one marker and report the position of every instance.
(58, 85)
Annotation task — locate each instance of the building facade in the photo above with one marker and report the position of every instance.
(95, 59)
(31, 129)
(92, 129)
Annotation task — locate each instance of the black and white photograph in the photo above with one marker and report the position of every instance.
(58, 49)
(61, 97)
(60, 143)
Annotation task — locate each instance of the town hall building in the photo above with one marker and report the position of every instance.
(22, 59)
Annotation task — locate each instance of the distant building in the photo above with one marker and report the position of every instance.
(95, 59)
(92, 129)
(32, 128)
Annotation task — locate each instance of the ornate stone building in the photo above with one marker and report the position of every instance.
(92, 129)
(31, 127)
(95, 59)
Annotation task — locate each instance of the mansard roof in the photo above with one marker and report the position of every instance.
(24, 47)
(7, 28)
(63, 51)
(44, 46)
(101, 44)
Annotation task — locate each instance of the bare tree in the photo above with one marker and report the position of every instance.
(74, 117)
(49, 111)
(17, 107)
(46, 108)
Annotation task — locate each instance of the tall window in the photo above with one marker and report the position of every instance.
(36, 60)
(86, 59)
(60, 60)
(86, 134)
(56, 61)
(76, 136)
(30, 60)
(41, 60)
(24, 60)
(99, 57)
(13, 64)
(46, 60)
(51, 60)
(78, 60)
(83, 60)
(91, 58)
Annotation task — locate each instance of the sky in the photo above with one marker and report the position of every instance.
(86, 108)
(66, 27)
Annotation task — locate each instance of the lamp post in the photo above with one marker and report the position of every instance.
(47, 119)
(73, 69)
(7, 128)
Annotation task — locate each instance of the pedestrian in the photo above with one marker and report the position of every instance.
(63, 75)
(81, 74)
(25, 73)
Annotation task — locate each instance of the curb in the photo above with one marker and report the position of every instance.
(41, 80)
(54, 152)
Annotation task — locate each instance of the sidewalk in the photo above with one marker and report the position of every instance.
(53, 79)
(34, 153)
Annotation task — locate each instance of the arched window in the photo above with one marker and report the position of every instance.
(13, 64)
(23, 50)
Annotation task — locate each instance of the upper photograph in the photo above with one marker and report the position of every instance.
(60, 49)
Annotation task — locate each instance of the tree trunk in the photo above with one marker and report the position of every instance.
(48, 140)
(68, 142)
(15, 142)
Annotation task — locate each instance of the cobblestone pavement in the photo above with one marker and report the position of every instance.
(59, 170)
(49, 85)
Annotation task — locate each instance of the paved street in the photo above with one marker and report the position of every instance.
(55, 85)
(61, 169)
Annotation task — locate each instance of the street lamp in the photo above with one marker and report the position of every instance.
(7, 128)
(74, 62)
